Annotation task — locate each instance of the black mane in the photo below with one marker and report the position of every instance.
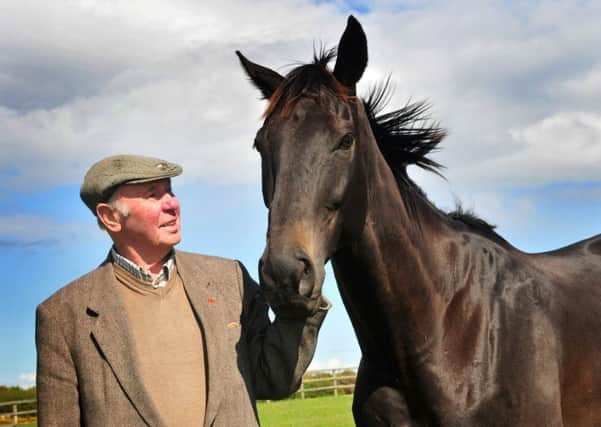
(406, 137)
(474, 222)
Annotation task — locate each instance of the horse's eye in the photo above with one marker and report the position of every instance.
(346, 142)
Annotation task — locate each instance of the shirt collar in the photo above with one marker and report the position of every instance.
(146, 276)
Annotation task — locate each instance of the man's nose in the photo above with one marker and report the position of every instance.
(170, 202)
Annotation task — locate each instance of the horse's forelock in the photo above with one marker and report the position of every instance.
(308, 80)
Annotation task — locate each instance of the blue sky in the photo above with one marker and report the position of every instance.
(516, 84)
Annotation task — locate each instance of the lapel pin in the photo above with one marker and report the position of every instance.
(232, 325)
(211, 300)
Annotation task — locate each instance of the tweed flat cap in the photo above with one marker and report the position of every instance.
(107, 174)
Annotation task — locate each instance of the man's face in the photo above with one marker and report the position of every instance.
(153, 220)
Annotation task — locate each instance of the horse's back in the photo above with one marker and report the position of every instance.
(586, 247)
(576, 266)
(574, 273)
(549, 335)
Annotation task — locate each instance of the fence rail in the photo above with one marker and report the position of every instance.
(315, 383)
(323, 381)
(13, 415)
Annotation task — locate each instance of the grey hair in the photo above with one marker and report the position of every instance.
(115, 204)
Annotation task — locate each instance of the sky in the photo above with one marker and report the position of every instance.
(516, 84)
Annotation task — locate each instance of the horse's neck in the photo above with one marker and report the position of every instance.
(405, 241)
(394, 268)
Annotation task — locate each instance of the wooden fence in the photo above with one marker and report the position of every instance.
(315, 383)
(327, 382)
(12, 415)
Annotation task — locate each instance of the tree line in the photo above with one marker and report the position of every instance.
(9, 394)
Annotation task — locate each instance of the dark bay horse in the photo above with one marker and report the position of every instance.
(456, 326)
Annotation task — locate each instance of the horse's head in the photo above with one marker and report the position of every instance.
(313, 171)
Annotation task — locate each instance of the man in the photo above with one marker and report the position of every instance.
(160, 337)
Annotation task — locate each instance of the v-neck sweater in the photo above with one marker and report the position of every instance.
(169, 346)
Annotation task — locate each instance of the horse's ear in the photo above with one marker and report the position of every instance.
(352, 54)
(266, 80)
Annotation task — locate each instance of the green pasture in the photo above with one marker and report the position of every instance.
(328, 411)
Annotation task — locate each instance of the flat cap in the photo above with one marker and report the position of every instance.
(103, 178)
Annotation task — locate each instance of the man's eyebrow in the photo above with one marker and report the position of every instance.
(153, 186)
(150, 188)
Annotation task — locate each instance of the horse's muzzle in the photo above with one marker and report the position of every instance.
(287, 272)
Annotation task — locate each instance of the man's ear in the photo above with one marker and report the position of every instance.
(109, 216)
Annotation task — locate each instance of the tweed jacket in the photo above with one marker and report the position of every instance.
(87, 373)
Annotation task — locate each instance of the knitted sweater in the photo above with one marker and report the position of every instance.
(169, 346)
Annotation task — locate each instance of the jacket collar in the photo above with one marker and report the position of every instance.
(112, 335)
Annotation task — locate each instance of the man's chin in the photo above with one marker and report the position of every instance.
(171, 242)
(166, 245)
(170, 238)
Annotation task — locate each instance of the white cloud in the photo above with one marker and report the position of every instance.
(169, 84)
(27, 380)
(562, 147)
(489, 68)
(331, 363)
(35, 230)
(161, 78)
(585, 86)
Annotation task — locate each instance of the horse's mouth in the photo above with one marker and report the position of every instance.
(292, 276)
(274, 293)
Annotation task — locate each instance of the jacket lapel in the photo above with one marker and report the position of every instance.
(112, 335)
(207, 303)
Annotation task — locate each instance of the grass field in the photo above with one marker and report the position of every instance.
(327, 411)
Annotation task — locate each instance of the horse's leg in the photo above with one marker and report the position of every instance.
(376, 401)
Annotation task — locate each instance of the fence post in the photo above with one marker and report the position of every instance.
(15, 414)
(335, 383)
(302, 388)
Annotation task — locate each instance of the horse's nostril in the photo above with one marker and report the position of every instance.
(333, 207)
(306, 266)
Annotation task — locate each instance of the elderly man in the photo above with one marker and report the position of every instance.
(160, 337)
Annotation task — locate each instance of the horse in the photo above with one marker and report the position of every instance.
(456, 326)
